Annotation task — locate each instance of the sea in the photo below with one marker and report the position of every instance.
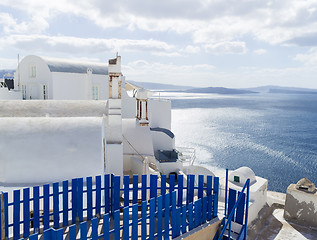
(273, 134)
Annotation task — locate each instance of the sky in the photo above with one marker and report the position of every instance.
(200, 43)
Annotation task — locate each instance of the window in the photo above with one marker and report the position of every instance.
(95, 92)
(44, 92)
(23, 92)
(236, 179)
(32, 70)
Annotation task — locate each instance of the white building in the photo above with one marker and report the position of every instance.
(48, 78)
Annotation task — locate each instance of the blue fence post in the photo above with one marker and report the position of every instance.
(65, 203)
(116, 193)
(125, 233)
(59, 234)
(231, 200)
(226, 194)
(163, 186)
(26, 212)
(36, 208)
(143, 220)
(34, 236)
(184, 218)
(197, 213)
(135, 222)
(74, 200)
(180, 190)
(247, 209)
(159, 217)
(83, 231)
(190, 188)
(176, 222)
(190, 216)
(200, 186)
(135, 181)
(215, 197)
(107, 193)
(48, 234)
(152, 218)
(46, 199)
(80, 198)
(106, 226)
(126, 182)
(16, 214)
(89, 197)
(72, 232)
(166, 216)
(94, 229)
(240, 209)
(56, 204)
(144, 187)
(98, 196)
(204, 209)
(153, 186)
(117, 225)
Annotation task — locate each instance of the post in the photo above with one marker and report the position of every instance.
(226, 194)
(2, 217)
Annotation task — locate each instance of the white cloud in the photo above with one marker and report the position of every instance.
(260, 51)
(309, 59)
(226, 48)
(76, 45)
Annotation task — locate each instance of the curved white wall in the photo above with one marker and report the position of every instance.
(38, 150)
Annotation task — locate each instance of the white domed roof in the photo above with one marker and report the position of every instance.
(240, 176)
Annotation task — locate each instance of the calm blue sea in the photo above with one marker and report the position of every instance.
(273, 134)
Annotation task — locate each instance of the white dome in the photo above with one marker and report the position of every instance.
(240, 176)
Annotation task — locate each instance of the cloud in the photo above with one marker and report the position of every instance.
(309, 59)
(260, 51)
(67, 44)
(226, 48)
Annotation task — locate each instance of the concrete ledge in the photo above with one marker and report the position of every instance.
(204, 232)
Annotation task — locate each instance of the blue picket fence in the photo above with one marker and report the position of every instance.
(236, 213)
(147, 209)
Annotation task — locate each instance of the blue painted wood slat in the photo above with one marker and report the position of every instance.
(126, 182)
(152, 218)
(36, 208)
(135, 180)
(80, 199)
(89, 197)
(94, 229)
(135, 222)
(26, 212)
(56, 205)
(107, 193)
(184, 218)
(116, 193)
(98, 196)
(200, 186)
(144, 187)
(190, 216)
(65, 203)
(125, 233)
(167, 216)
(117, 225)
(143, 220)
(83, 231)
(180, 190)
(231, 200)
(197, 213)
(159, 217)
(240, 209)
(106, 226)
(16, 214)
(72, 232)
(74, 200)
(215, 197)
(46, 212)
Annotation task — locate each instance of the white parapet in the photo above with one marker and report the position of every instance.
(301, 206)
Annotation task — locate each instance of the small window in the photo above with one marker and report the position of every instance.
(236, 179)
(32, 71)
(95, 92)
(23, 92)
(44, 88)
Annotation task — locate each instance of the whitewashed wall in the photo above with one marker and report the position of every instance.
(37, 150)
(160, 113)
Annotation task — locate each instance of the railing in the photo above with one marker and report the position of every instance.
(102, 200)
(236, 212)
(186, 155)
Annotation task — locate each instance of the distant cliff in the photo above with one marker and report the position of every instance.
(220, 90)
